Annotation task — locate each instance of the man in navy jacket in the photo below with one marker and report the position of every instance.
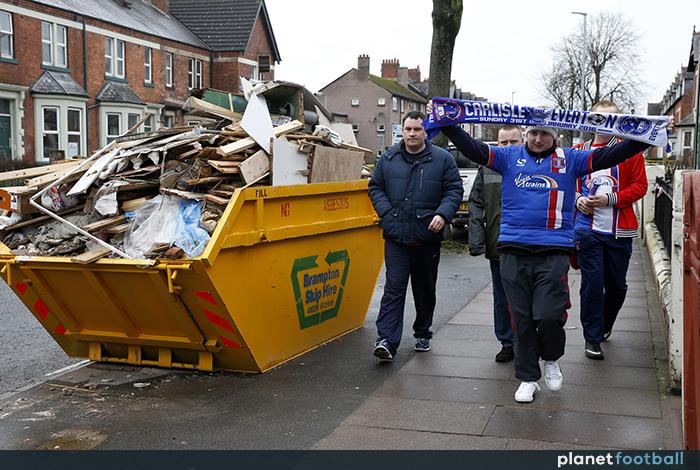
(416, 189)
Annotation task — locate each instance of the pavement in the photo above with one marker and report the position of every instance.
(457, 397)
(338, 397)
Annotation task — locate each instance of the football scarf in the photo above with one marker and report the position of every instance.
(448, 112)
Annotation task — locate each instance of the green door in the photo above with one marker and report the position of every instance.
(5, 132)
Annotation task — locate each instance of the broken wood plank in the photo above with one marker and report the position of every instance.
(38, 171)
(209, 180)
(16, 199)
(104, 223)
(91, 256)
(254, 166)
(225, 167)
(220, 193)
(40, 219)
(117, 229)
(248, 142)
(134, 204)
(209, 108)
(183, 194)
(49, 178)
(217, 200)
(335, 164)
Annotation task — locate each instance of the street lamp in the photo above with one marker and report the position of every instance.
(583, 64)
(512, 96)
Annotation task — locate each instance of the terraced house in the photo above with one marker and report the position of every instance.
(75, 74)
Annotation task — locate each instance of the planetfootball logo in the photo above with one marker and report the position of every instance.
(634, 125)
(596, 119)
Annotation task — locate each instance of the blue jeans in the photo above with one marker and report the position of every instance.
(604, 260)
(420, 264)
(501, 314)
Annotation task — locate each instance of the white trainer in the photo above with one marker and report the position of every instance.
(526, 392)
(553, 376)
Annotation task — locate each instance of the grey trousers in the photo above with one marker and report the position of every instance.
(538, 295)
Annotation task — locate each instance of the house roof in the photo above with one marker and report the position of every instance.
(224, 25)
(138, 15)
(117, 92)
(57, 83)
(396, 88)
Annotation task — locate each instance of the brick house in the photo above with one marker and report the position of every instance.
(74, 74)
(680, 101)
(372, 104)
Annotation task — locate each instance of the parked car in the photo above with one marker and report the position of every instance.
(467, 170)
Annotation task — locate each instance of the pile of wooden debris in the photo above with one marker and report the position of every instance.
(89, 208)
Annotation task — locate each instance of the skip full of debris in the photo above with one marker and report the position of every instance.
(161, 194)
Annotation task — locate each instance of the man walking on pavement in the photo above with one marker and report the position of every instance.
(416, 189)
(537, 237)
(484, 224)
(605, 226)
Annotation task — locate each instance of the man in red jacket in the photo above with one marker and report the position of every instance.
(605, 226)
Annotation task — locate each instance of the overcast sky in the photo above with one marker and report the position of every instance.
(502, 46)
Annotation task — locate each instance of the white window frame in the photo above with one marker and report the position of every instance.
(168, 116)
(254, 72)
(8, 34)
(169, 60)
(355, 128)
(148, 65)
(63, 104)
(109, 137)
(381, 101)
(79, 132)
(194, 73)
(381, 129)
(403, 105)
(45, 132)
(690, 138)
(57, 40)
(123, 111)
(394, 103)
(355, 102)
(115, 51)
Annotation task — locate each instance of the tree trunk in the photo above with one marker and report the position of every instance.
(447, 18)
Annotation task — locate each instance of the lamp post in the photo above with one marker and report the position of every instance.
(512, 96)
(583, 64)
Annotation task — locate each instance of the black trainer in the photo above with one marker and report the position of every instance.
(422, 344)
(607, 334)
(505, 355)
(382, 351)
(593, 351)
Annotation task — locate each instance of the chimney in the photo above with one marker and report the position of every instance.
(162, 5)
(390, 69)
(403, 76)
(414, 74)
(363, 67)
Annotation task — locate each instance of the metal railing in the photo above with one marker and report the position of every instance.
(663, 210)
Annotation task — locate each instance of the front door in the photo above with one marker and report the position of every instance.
(5, 130)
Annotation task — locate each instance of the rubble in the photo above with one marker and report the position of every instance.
(161, 194)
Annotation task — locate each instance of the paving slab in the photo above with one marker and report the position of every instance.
(370, 438)
(576, 428)
(422, 415)
(610, 400)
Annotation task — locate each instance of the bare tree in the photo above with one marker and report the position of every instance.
(612, 71)
(447, 18)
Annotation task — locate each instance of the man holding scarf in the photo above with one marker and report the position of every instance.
(537, 237)
(605, 226)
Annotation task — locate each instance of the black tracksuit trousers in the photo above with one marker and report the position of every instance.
(537, 289)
